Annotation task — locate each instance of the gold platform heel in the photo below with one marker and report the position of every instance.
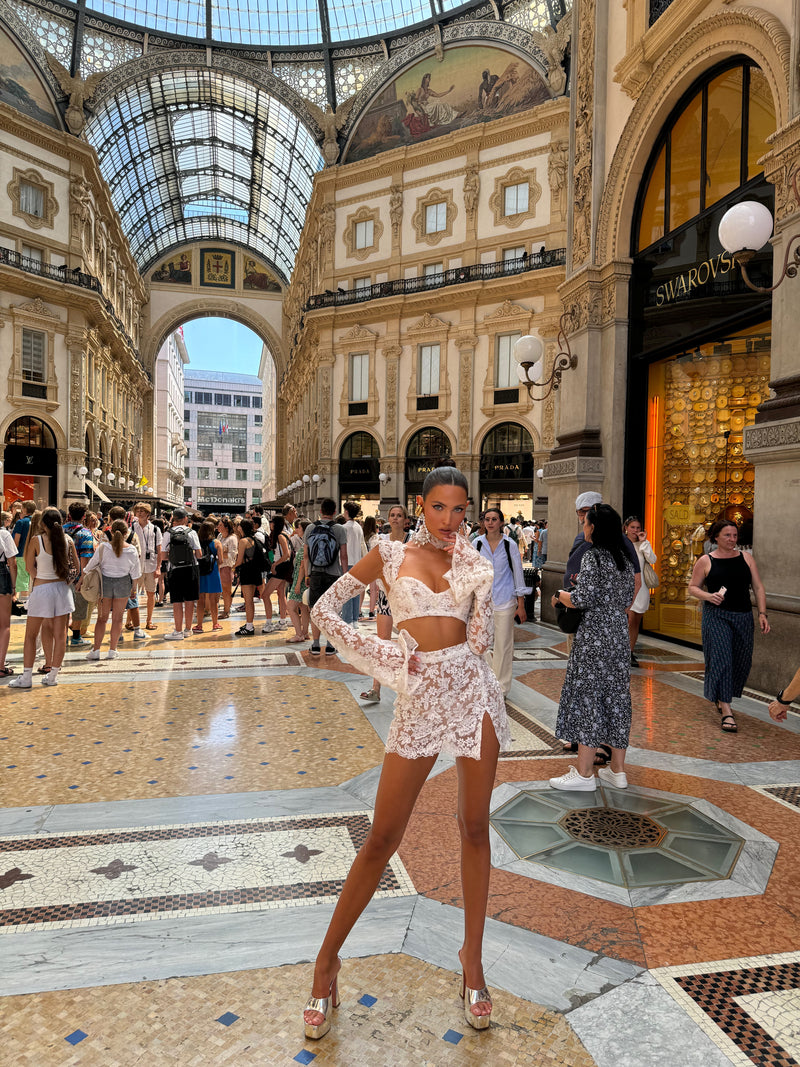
(474, 996)
(323, 1005)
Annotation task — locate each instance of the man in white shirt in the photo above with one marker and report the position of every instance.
(356, 550)
(149, 538)
(508, 593)
(180, 546)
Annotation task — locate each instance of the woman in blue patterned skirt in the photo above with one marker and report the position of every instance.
(595, 704)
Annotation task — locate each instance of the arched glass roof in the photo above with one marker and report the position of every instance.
(203, 154)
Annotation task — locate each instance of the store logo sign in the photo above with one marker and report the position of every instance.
(683, 284)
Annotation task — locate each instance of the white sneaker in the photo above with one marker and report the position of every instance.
(574, 782)
(175, 635)
(112, 654)
(94, 654)
(50, 679)
(282, 624)
(617, 779)
(187, 633)
(268, 627)
(139, 635)
(18, 683)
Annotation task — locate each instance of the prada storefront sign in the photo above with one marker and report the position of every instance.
(417, 470)
(502, 468)
(689, 285)
(359, 471)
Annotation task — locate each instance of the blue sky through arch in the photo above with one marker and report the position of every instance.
(222, 345)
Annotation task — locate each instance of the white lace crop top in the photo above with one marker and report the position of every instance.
(469, 598)
(410, 598)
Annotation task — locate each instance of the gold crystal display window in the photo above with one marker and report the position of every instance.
(698, 405)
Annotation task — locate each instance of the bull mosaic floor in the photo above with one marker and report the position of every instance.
(176, 824)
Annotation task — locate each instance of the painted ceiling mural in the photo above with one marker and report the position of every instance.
(472, 84)
(21, 87)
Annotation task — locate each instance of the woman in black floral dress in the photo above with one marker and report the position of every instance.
(595, 704)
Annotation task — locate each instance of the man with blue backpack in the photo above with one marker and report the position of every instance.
(326, 556)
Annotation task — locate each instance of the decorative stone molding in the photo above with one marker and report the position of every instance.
(429, 323)
(430, 330)
(391, 356)
(77, 393)
(747, 31)
(396, 209)
(434, 196)
(356, 341)
(558, 178)
(515, 176)
(472, 189)
(782, 168)
(507, 310)
(37, 307)
(358, 333)
(586, 468)
(364, 214)
(773, 441)
(584, 12)
(50, 205)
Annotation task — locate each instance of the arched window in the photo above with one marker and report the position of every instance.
(709, 147)
(29, 432)
(359, 446)
(506, 438)
(430, 441)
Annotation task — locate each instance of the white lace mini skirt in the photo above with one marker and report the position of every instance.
(51, 600)
(444, 714)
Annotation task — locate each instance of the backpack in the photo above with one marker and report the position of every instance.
(205, 564)
(256, 555)
(478, 544)
(181, 553)
(323, 548)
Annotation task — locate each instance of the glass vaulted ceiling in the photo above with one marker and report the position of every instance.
(273, 23)
(201, 154)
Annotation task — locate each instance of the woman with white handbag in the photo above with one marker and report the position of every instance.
(632, 529)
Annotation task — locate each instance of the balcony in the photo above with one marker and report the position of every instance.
(554, 257)
(11, 258)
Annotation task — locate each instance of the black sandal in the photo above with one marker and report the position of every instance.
(602, 755)
(728, 724)
(5, 671)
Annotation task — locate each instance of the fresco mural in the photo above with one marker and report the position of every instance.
(177, 270)
(472, 84)
(257, 277)
(20, 86)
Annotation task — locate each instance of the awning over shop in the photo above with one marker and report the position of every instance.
(97, 492)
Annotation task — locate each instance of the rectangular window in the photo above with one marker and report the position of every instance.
(365, 234)
(31, 199)
(359, 377)
(203, 398)
(513, 253)
(186, 435)
(256, 457)
(187, 415)
(222, 400)
(436, 217)
(256, 496)
(33, 353)
(505, 366)
(203, 474)
(428, 370)
(257, 438)
(222, 474)
(362, 283)
(257, 402)
(187, 396)
(186, 459)
(205, 452)
(239, 455)
(187, 493)
(241, 475)
(515, 199)
(431, 269)
(240, 401)
(33, 254)
(258, 420)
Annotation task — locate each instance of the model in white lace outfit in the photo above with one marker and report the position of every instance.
(397, 518)
(440, 593)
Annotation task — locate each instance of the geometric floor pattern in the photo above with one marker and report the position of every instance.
(175, 825)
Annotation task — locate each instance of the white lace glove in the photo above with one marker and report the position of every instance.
(387, 661)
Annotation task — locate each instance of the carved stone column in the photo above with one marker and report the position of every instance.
(74, 456)
(390, 491)
(772, 445)
(466, 360)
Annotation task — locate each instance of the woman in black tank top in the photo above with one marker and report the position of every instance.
(727, 624)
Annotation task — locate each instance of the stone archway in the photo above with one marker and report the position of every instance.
(755, 34)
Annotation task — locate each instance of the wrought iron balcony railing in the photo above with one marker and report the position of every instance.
(11, 258)
(554, 257)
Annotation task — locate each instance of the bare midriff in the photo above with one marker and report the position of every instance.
(434, 632)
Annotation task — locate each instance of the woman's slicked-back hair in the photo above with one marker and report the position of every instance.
(444, 476)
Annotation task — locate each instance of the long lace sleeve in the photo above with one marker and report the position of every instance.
(385, 660)
(480, 625)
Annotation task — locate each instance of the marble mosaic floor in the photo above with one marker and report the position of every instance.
(175, 825)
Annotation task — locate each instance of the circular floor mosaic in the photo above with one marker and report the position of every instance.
(619, 837)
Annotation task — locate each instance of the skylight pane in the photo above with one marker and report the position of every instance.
(186, 18)
(351, 19)
(279, 22)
